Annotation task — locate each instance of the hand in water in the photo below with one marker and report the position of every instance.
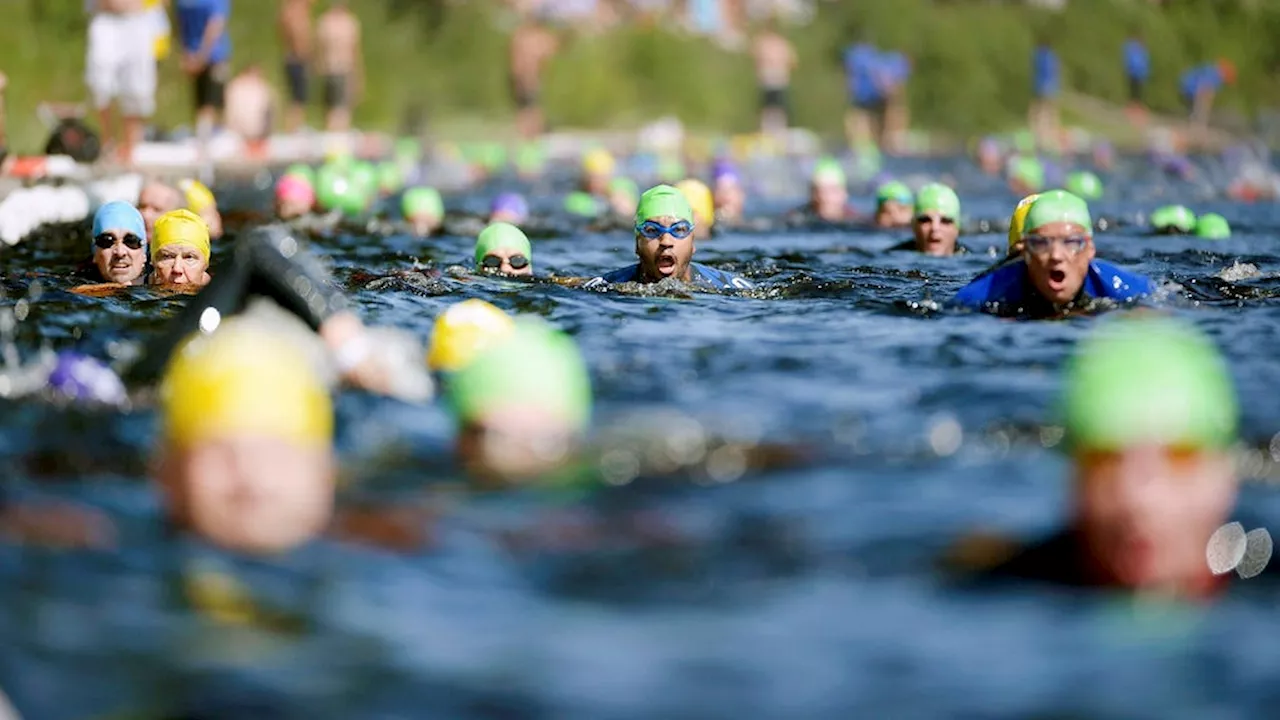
(381, 360)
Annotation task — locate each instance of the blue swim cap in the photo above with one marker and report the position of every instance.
(85, 379)
(119, 215)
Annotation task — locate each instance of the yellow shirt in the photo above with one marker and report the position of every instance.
(161, 42)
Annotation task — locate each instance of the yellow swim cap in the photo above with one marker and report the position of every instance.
(700, 199)
(598, 162)
(1019, 218)
(463, 331)
(243, 380)
(199, 197)
(180, 227)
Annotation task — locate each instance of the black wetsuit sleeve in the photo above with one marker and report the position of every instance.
(264, 263)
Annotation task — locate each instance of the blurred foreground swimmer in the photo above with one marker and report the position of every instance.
(1150, 417)
(664, 226)
(522, 404)
(463, 331)
(1057, 272)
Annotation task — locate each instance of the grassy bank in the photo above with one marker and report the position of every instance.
(972, 68)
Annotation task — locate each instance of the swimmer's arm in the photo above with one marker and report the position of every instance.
(300, 290)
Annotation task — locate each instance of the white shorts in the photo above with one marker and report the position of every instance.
(120, 63)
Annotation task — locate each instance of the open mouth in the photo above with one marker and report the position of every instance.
(1057, 278)
(666, 264)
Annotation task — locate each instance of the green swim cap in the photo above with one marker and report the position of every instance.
(1024, 141)
(502, 236)
(936, 197)
(407, 150)
(530, 158)
(895, 191)
(582, 204)
(624, 185)
(493, 156)
(536, 366)
(1148, 379)
(662, 201)
(1085, 184)
(332, 188)
(358, 200)
(828, 170)
(1213, 226)
(390, 179)
(422, 201)
(1029, 171)
(670, 169)
(1057, 206)
(302, 171)
(1173, 217)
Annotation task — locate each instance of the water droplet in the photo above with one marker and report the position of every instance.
(1226, 548)
(1257, 553)
(619, 467)
(209, 320)
(726, 464)
(21, 309)
(945, 435)
(35, 291)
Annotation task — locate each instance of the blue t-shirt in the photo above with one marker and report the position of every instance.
(701, 275)
(1137, 63)
(860, 66)
(1009, 287)
(894, 68)
(1205, 77)
(194, 16)
(1045, 69)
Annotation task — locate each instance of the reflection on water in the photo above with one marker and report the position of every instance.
(773, 478)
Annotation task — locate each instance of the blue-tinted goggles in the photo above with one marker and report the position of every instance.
(679, 230)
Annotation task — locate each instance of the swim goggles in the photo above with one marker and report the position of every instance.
(922, 219)
(493, 262)
(107, 240)
(652, 230)
(1040, 245)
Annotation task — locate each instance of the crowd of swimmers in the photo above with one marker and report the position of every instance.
(246, 459)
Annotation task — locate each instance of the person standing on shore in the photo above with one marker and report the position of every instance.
(295, 38)
(1137, 67)
(532, 45)
(120, 68)
(341, 58)
(206, 47)
(775, 60)
(1046, 84)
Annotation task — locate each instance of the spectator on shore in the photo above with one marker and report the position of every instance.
(206, 46)
(295, 38)
(251, 103)
(121, 70)
(341, 58)
(775, 60)
(1046, 74)
(532, 45)
(1137, 67)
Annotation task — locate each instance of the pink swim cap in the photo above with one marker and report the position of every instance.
(292, 187)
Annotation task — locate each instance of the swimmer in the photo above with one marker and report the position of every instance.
(522, 404)
(664, 225)
(503, 249)
(990, 156)
(200, 200)
(156, 199)
(1057, 272)
(730, 198)
(1017, 222)
(623, 196)
(894, 205)
(295, 197)
(828, 196)
(1212, 226)
(1150, 416)
(180, 251)
(1173, 220)
(509, 207)
(423, 209)
(464, 331)
(1026, 174)
(1085, 184)
(936, 224)
(598, 167)
(703, 204)
(120, 244)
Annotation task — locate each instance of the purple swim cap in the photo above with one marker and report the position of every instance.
(510, 203)
(725, 170)
(86, 379)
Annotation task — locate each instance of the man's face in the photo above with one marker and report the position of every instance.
(155, 200)
(424, 223)
(515, 443)
(1058, 257)
(829, 200)
(596, 183)
(212, 220)
(120, 263)
(257, 495)
(290, 208)
(180, 264)
(1146, 513)
(506, 261)
(936, 233)
(893, 214)
(665, 256)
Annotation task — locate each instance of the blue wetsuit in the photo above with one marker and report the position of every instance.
(701, 275)
(1007, 289)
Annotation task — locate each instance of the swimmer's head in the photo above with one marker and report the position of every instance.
(598, 167)
(730, 197)
(390, 178)
(828, 194)
(581, 204)
(423, 208)
(1017, 221)
(895, 205)
(332, 188)
(200, 200)
(246, 457)
(1085, 184)
(1026, 173)
(1150, 414)
(306, 172)
(1057, 239)
(702, 202)
(180, 250)
(530, 160)
(463, 331)
(156, 199)
(937, 219)
(294, 197)
(503, 249)
(119, 243)
(664, 227)
(1173, 220)
(1213, 226)
(623, 196)
(509, 207)
(521, 404)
